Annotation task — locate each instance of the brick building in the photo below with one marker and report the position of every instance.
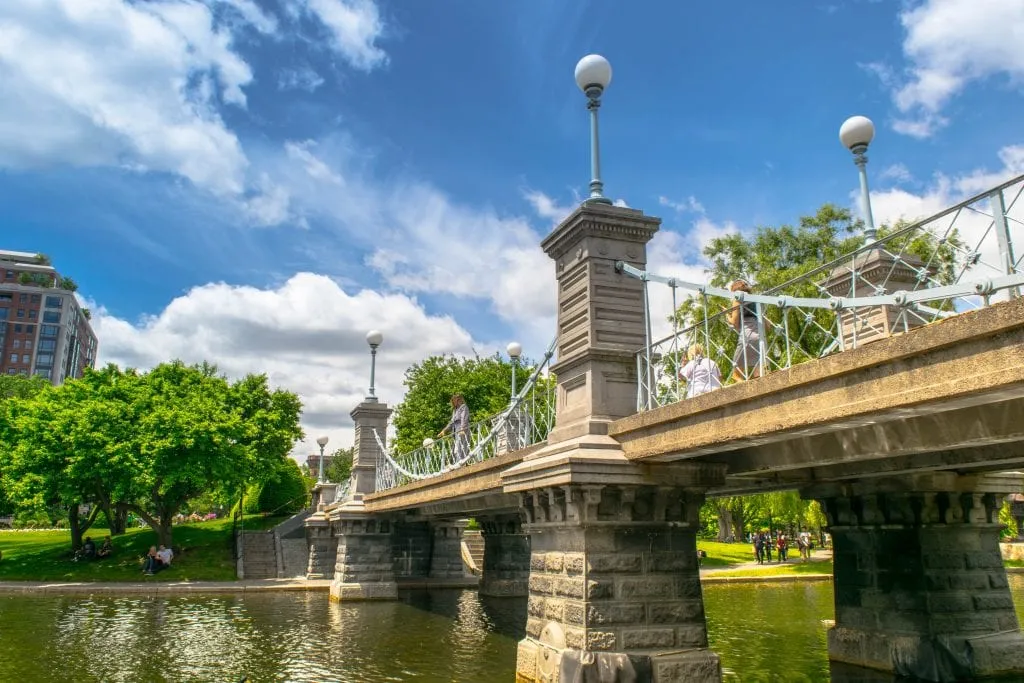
(43, 330)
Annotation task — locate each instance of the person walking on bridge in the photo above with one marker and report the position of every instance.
(459, 427)
(701, 374)
(743, 318)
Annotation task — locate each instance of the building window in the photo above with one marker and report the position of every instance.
(6, 297)
(21, 312)
(17, 328)
(31, 329)
(17, 344)
(14, 358)
(48, 331)
(54, 302)
(51, 316)
(11, 371)
(10, 274)
(23, 298)
(44, 360)
(47, 344)
(43, 373)
(32, 314)
(3, 314)
(26, 358)
(35, 298)
(28, 344)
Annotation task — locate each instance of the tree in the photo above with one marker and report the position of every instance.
(485, 383)
(147, 443)
(73, 444)
(197, 433)
(340, 467)
(774, 256)
(68, 284)
(285, 491)
(13, 386)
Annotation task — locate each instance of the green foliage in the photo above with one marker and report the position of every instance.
(147, 441)
(68, 284)
(756, 512)
(43, 260)
(1006, 519)
(285, 491)
(21, 386)
(485, 383)
(340, 467)
(774, 256)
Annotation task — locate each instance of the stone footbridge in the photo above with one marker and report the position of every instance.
(902, 440)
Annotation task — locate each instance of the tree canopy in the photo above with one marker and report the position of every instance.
(144, 442)
(485, 383)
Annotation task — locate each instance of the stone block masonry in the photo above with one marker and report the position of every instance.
(920, 586)
(613, 572)
(506, 566)
(364, 569)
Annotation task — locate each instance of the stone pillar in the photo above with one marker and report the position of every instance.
(1017, 512)
(446, 550)
(323, 495)
(613, 560)
(368, 416)
(364, 569)
(323, 549)
(872, 273)
(920, 587)
(614, 584)
(506, 566)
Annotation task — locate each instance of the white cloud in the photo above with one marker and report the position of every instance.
(688, 205)
(303, 78)
(251, 14)
(308, 335)
(949, 44)
(354, 25)
(546, 207)
(110, 83)
(896, 173)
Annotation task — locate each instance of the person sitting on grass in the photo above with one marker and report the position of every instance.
(149, 562)
(87, 551)
(105, 550)
(164, 556)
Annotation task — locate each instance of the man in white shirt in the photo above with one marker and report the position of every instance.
(165, 555)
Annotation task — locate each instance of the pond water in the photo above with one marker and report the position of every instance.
(763, 632)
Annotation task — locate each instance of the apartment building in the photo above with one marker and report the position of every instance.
(43, 330)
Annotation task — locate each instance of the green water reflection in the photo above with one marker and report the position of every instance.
(762, 632)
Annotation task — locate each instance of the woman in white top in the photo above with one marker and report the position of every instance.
(700, 373)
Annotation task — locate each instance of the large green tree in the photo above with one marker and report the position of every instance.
(485, 383)
(14, 386)
(340, 468)
(146, 442)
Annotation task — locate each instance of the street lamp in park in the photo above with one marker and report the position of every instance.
(593, 74)
(322, 441)
(856, 134)
(374, 338)
(515, 350)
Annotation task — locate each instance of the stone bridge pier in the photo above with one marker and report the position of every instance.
(506, 570)
(614, 590)
(920, 585)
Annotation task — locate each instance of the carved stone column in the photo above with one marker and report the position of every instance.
(614, 586)
(506, 570)
(920, 586)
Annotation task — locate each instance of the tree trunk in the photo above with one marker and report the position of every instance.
(161, 524)
(164, 531)
(738, 522)
(118, 521)
(723, 523)
(76, 530)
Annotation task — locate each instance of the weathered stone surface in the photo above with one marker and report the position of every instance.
(917, 593)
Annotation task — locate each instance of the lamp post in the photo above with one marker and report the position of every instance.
(322, 441)
(515, 350)
(856, 134)
(374, 338)
(593, 74)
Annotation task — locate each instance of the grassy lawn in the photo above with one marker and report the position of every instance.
(203, 552)
(789, 568)
(725, 554)
(1014, 563)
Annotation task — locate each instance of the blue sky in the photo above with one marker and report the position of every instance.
(258, 182)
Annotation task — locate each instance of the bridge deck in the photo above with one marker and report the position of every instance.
(949, 395)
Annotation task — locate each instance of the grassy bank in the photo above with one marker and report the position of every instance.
(735, 559)
(203, 552)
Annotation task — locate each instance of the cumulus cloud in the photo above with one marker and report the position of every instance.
(142, 85)
(688, 205)
(307, 335)
(354, 27)
(546, 207)
(949, 44)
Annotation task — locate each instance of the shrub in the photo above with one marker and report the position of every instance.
(285, 492)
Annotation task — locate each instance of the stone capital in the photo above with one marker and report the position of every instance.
(602, 225)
